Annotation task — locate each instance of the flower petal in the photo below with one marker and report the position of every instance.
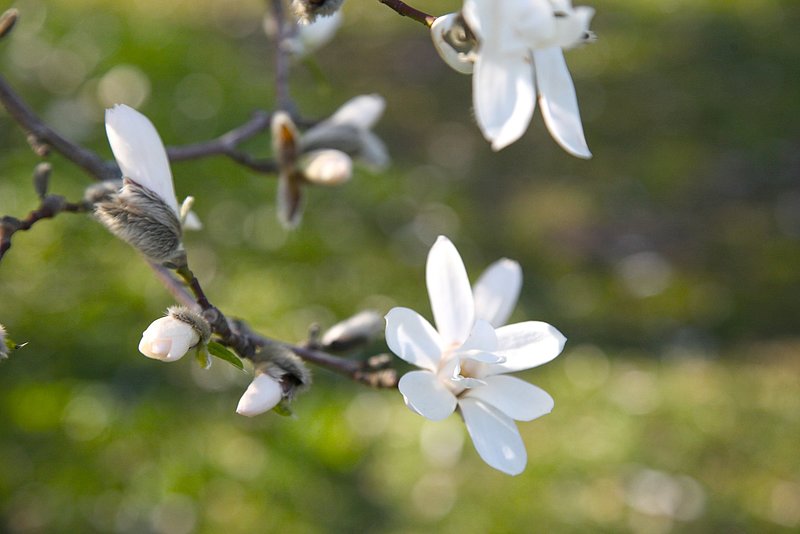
(362, 111)
(497, 290)
(482, 338)
(526, 345)
(263, 394)
(449, 292)
(426, 395)
(139, 152)
(503, 95)
(372, 151)
(494, 435)
(458, 61)
(514, 397)
(413, 338)
(558, 101)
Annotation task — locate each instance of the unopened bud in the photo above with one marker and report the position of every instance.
(279, 362)
(7, 21)
(41, 178)
(169, 338)
(141, 218)
(326, 167)
(101, 191)
(262, 395)
(307, 11)
(358, 330)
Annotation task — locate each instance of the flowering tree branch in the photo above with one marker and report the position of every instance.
(406, 10)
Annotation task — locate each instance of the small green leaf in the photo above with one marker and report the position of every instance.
(282, 408)
(224, 353)
(202, 357)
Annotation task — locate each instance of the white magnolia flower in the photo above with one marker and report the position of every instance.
(349, 129)
(513, 49)
(144, 212)
(169, 338)
(464, 360)
(262, 395)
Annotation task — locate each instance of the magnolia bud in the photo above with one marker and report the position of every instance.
(307, 11)
(140, 217)
(169, 338)
(263, 394)
(326, 167)
(359, 329)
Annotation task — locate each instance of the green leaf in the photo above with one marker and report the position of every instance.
(202, 357)
(282, 408)
(224, 353)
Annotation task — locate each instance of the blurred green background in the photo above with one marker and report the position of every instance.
(670, 261)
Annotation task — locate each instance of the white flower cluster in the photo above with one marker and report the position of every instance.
(514, 51)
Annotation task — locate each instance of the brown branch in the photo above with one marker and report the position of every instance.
(406, 10)
(50, 206)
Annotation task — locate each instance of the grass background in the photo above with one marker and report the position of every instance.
(670, 261)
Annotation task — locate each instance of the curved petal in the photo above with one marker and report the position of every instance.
(496, 291)
(372, 151)
(413, 338)
(426, 395)
(514, 397)
(263, 394)
(558, 101)
(526, 345)
(139, 152)
(362, 111)
(450, 293)
(503, 95)
(495, 436)
(482, 338)
(458, 61)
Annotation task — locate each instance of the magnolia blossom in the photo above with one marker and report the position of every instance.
(144, 212)
(464, 360)
(513, 49)
(349, 129)
(169, 338)
(262, 395)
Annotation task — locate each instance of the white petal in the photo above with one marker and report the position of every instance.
(558, 101)
(413, 338)
(572, 29)
(514, 397)
(362, 111)
(426, 395)
(526, 345)
(139, 152)
(372, 151)
(311, 37)
(449, 292)
(482, 338)
(456, 60)
(497, 290)
(503, 95)
(263, 394)
(495, 436)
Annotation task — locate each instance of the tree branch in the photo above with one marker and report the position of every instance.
(406, 10)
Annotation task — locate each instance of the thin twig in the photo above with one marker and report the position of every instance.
(50, 206)
(282, 92)
(407, 11)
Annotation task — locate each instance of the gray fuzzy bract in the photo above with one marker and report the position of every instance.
(141, 218)
(307, 11)
(193, 319)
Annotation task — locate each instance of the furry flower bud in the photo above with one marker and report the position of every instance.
(145, 211)
(307, 11)
(170, 338)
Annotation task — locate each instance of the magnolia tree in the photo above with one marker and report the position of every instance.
(514, 52)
